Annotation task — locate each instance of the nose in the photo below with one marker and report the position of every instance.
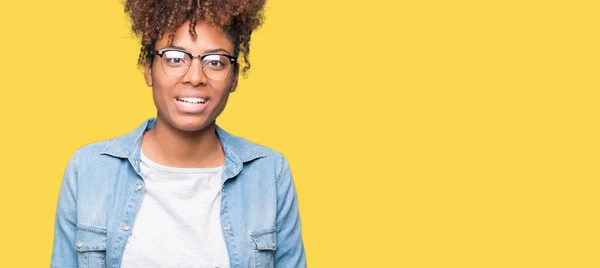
(195, 75)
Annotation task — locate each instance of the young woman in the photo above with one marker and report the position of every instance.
(179, 191)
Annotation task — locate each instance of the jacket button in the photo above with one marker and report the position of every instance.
(139, 187)
(79, 245)
(273, 245)
(126, 228)
(227, 228)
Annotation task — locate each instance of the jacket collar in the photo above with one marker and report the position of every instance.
(237, 150)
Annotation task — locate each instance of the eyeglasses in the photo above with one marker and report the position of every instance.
(176, 63)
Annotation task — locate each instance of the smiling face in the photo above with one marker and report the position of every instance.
(193, 101)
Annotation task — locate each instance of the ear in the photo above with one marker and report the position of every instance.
(235, 81)
(148, 74)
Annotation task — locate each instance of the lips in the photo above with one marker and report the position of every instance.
(191, 104)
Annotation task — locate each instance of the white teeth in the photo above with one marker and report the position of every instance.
(192, 100)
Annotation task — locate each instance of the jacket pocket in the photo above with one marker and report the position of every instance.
(264, 247)
(90, 243)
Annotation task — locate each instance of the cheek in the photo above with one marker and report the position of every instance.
(162, 84)
(225, 92)
(162, 94)
(223, 99)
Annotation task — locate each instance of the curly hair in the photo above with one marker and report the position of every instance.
(150, 19)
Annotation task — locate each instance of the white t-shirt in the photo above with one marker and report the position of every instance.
(178, 224)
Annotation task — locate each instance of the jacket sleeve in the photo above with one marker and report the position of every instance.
(63, 250)
(290, 248)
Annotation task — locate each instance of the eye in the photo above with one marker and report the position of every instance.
(174, 57)
(175, 60)
(215, 61)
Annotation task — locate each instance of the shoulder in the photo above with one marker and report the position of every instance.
(267, 157)
(87, 151)
(245, 149)
(248, 151)
(94, 148)
(277, 158)
(83, 161)
(99, 153)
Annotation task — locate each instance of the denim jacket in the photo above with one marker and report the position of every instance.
(102, 190)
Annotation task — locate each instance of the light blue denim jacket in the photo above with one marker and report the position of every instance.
(103, 187)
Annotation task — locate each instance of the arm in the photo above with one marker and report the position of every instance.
(290, 248)
(63, 251)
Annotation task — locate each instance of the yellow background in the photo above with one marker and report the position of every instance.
(420, 133)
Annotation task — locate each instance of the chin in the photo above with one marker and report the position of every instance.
(190, 124)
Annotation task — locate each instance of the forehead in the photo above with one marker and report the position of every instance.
(208, 38)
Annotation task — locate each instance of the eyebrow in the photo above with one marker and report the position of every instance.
(215, 50)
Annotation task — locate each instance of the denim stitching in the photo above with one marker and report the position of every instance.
(91, 229)
(283, 164)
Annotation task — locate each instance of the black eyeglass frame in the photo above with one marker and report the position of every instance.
(161, 52)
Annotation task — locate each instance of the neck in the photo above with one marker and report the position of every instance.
(169, 146)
